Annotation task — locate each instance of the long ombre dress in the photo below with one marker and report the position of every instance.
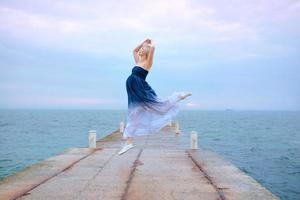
(147, 113)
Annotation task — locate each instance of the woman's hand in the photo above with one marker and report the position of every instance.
(147, 41)
(152, 43)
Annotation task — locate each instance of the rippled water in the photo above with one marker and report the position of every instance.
(264, 144)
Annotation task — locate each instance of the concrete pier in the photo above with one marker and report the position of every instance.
(161, 166)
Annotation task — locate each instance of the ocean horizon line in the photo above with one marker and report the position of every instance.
(118, 109)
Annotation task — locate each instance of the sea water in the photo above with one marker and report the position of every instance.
(263, 144)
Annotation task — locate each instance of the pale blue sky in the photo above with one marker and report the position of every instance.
(77, 54)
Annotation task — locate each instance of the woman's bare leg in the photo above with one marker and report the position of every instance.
(185, 94)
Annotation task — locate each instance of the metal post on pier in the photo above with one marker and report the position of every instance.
(92, 138)
(122, 126)
(194, 140)
(177, 130)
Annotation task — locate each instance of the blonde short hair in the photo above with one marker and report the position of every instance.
(148, 48)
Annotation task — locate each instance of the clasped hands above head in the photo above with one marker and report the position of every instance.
(150, 42)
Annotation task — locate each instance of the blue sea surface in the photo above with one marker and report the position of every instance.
(264, 144)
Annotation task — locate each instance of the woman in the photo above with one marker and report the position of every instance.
(147, 113)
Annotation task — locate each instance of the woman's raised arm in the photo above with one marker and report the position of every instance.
(151, 54)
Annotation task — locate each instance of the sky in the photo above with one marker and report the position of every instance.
(59, 54)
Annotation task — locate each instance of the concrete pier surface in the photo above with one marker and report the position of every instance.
(160, 166)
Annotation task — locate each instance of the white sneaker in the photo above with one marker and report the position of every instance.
(125, 148)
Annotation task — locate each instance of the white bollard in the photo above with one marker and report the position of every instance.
(170, 123)
(177, 130)
(92, 139)
(122, 127)
(194, 140)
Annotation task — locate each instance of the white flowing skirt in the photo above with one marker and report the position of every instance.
(143, 121)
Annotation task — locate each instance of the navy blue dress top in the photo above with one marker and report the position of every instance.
(139, 92)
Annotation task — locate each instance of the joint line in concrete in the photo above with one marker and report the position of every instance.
(220, 193)
(28, 189)
(97, 173)
(133, 168)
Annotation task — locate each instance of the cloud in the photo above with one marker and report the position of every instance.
(101, 27)
(190, 104)
(56, 101)
(83, 27)
(208, 46)
(77, 101)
